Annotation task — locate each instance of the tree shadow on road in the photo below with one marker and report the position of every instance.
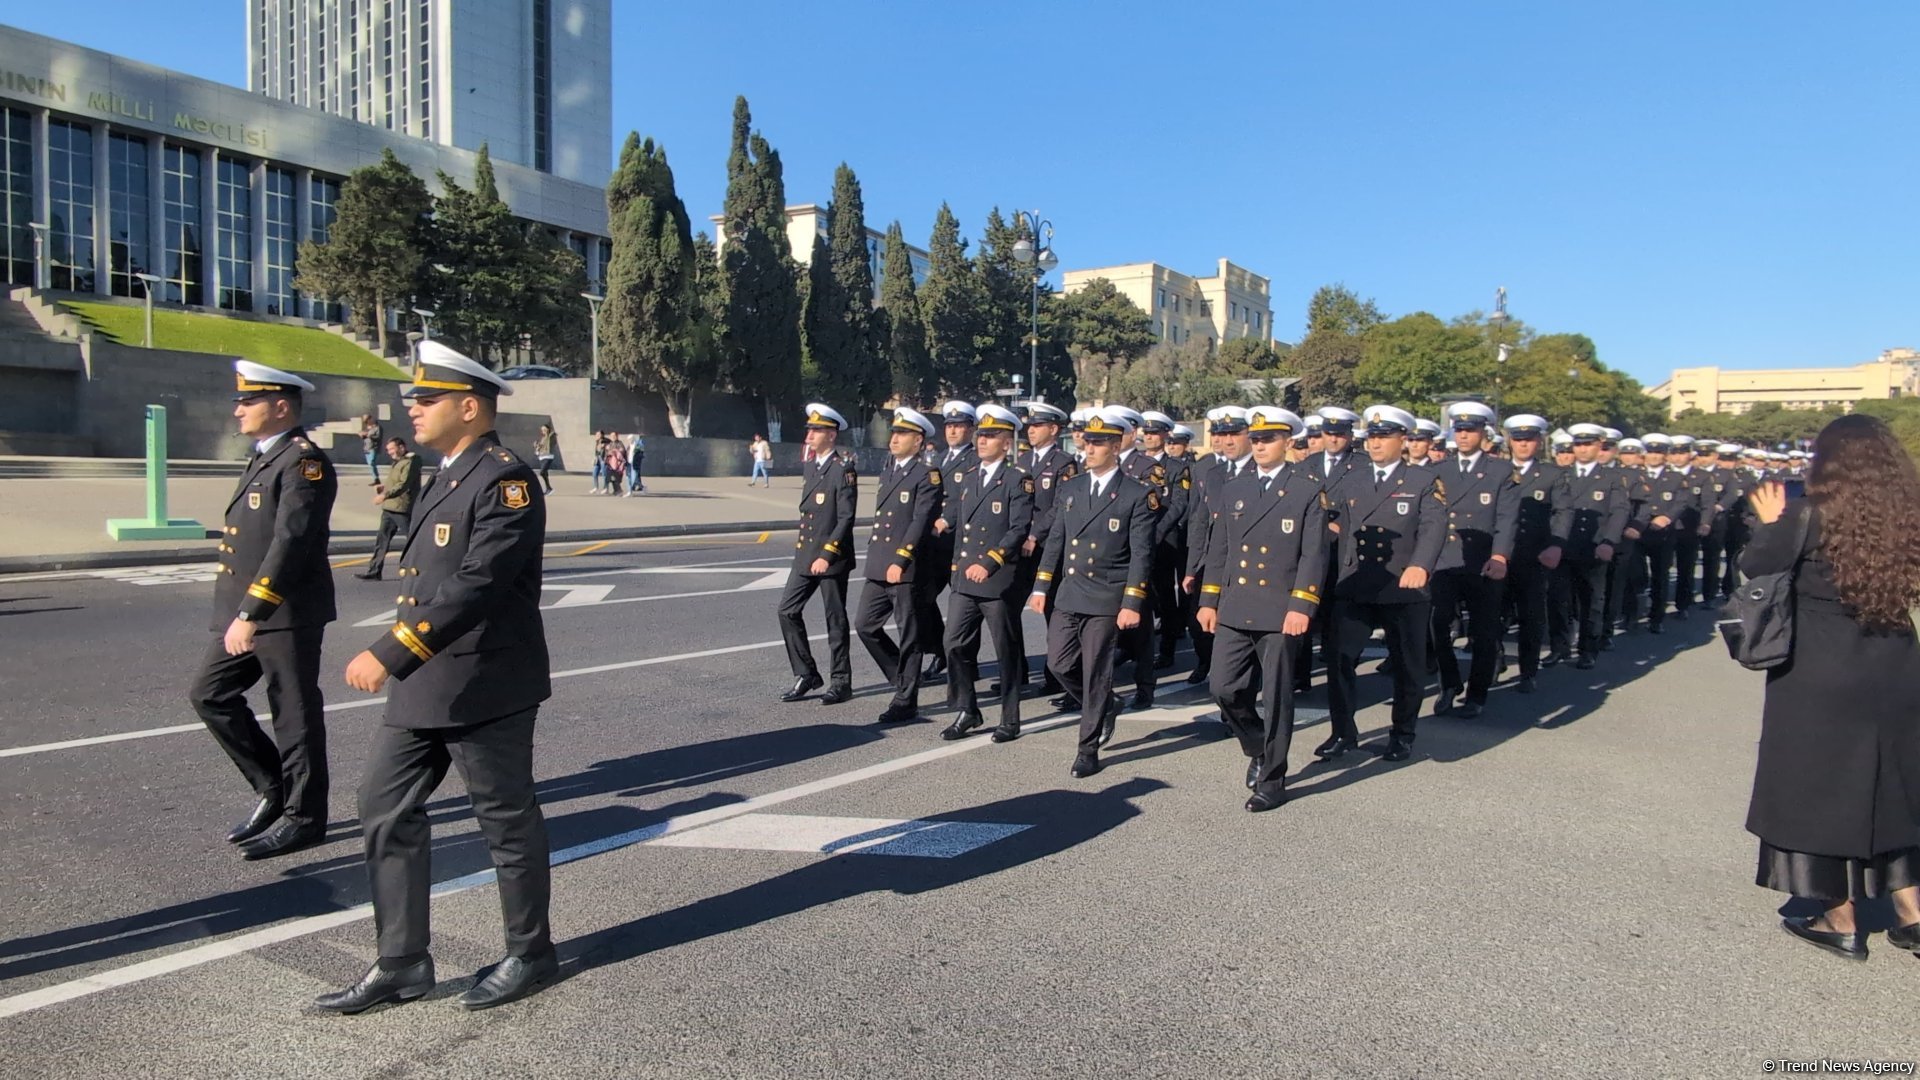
(1060, 820)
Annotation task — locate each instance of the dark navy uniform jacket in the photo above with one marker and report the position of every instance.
(827, 503)
(1481, 511)
(988, 519)
(1702, 499)
(903, 514)
(1143, 467)
(468, 645)
(1386, 528)
(1203, 511)
(273, 548)
(1668, 495)
(1053, 467)
(1601, 509)
(1543, 509)
(1268, 554)
(1099, 552)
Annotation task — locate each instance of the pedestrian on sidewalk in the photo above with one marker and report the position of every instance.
(600, 442)
(636, 453)
(544, 446)
(370, 445)
(395, 499)
(616, 462)
(272, 601)
(1836, 788)
(762, 453)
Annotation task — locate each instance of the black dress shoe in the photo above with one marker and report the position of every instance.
(1263, 801)
(1141, 702)
(1006, 732)
(1051, 687)
(1109, 720)
(1852, 945)
(1467, 710)
(1084, 765)
(1444, 705)
(1606, 644)
(935, 671)
(962, 724)
(1655, 628)
(1064, 702)
(1525, 685)
(802, 686)
(283, 839)
(265, 813)
(510, 980)
(379, 987)
(1585, 663)
(1165, 662)
(898, 714)
(1198, 676)
(1333, 748)
(1680, 614)
(1253, 773)
(837, 694)
(1905, 937)
(1392, 750)
(375, 576)
(1556, 658)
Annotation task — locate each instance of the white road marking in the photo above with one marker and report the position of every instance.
(597, 595)
(219, 950)
(578, 595)
(845, 835)
(148, 733)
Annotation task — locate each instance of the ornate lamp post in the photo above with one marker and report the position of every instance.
(1042, 259)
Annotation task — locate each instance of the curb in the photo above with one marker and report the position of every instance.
(362, 545)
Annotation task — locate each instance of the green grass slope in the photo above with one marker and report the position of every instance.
(289, 348)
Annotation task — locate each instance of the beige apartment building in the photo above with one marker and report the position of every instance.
(1895, 373)
(1232, 302)
(808, 220)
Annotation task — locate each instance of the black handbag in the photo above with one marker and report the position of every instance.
(1757, 621)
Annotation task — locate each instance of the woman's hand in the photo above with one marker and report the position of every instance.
(1769, 501)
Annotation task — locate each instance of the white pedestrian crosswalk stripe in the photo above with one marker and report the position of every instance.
(844, 835)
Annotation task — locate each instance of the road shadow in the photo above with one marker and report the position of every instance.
(1060, 820)
(34, 610)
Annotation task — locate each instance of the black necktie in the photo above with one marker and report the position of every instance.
(1379, 477)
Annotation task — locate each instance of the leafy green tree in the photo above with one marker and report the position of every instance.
(1416, 360)
(763, 300)
(843, 342)
(1247, 358)
(1338, 308)
(952, 300)
(903, 331)
(1180, 380)
(377, 245)
(1006, 287)
(483, 268)
(649, 326)
(1104, 332)
(1326, 358)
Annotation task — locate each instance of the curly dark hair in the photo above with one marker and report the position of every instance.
(1868, 493)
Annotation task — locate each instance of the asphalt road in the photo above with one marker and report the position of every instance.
(1560, 887)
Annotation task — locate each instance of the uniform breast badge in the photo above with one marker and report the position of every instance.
(442, 534)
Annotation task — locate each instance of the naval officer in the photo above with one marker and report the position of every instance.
(467, 659)
(272, 602)
(907, 502)
(988, 514)
(822, 560)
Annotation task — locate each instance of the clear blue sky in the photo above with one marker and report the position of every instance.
(1687, 183)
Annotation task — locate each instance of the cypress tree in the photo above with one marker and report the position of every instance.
(842, 340)
(951, 301)
(763, 303)
(649, 332)
(1007, 299)
(903, 331)
(377, 246)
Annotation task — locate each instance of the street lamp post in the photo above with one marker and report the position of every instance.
(149, 281)
(594, 300)
(426, 322)
(1042, 259)
(39, 253)
(1498, 322)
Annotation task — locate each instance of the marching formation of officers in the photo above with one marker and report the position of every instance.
(1282, 536)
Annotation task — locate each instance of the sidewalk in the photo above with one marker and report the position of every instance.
(60, 524)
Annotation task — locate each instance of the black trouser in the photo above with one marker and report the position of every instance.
(1407, 631)
(1730, 566)
(1626, 583)
(1080, 652)
(1587, 584)
(965, 614)
(1658, 547)
(1527, 586)
(290, 767)
(1253, 685)
(1203, 641)
(1303, 666)
(900, 663)
(495, 760)
(1560, 609)
(392, 523)
(1481, 594)
(1138, 643)
(1163, 590)
(1686, 562)
(1025, 573)
(926, 592)
(793, 626)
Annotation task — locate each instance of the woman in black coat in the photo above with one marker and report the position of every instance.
(1836, 792)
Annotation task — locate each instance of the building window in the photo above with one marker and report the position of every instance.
(16, 195)
(322, 209)
(1189, 305)
(1233, 311)
(280, 243)
(128, 172)
(180, 188)
(233, 233)
(542, 85)
(70, 211)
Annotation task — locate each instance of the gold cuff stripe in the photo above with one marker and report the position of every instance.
(1136, 593)
(1302, 594)
(1043, 576)
(905, 553)
(261, 592)
(404, 635)
(995, 556)
(832, 547)
(1210, 589)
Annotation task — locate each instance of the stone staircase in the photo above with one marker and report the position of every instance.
(86, 468)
